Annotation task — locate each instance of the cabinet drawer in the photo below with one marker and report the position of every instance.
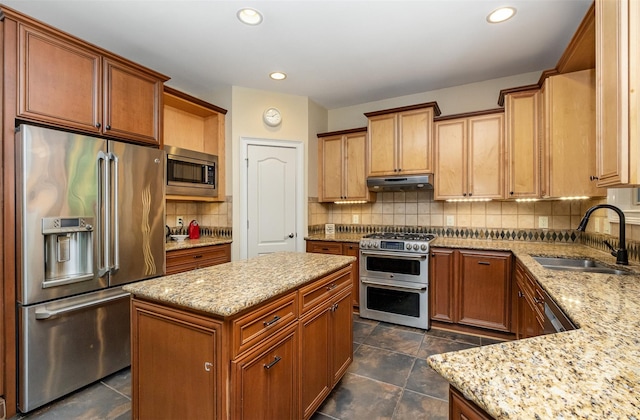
(324, 247)
(315, 293)
(262, 323)
(181, 260)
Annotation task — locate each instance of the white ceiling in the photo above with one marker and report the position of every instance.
(337, 53)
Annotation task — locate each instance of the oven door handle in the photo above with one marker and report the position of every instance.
(396, 255)
(395, 286)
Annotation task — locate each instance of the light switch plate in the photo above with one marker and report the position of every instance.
(543, 222)
(451, 220)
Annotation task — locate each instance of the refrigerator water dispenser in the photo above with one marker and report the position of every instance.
(68, 245)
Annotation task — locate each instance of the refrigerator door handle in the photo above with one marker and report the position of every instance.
(103, 219)
(43, 313)
(116, 216)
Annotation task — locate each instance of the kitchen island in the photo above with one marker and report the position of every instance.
(267, 337)
(591, 372)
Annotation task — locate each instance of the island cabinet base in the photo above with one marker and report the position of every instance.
(276, 360)
(461, 408)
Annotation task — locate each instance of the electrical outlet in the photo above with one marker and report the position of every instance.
(355, 219)
(180, 221)
(596, 224)
(607, 228)
(543, 222)
(451, 220)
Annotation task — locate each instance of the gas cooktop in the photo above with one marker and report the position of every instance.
(397, 241)
(401, 236)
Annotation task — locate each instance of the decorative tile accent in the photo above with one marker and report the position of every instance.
(217, 231)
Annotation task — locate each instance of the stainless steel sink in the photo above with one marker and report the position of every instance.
(578, 264)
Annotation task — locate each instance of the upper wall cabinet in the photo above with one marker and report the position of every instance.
(341, 166)
(191, 123)
(523, 145)
(617, 95)
(65, 82)
(469, 157)
(399, 140)
(569, 163)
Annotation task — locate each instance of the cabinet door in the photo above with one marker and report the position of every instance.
(355, 175)
(414, 141)
(316, 352)
(131, 103)
(442, 276)
(353, 250)
(570, 145)
(341, 335)
(485, 289)
(523, 147)
(450, 162)
(266, 379)
(461, 408)
(59, 82)
(331, 169)
(486, 156)
(158, 335)
(325, 247)
(382, 145)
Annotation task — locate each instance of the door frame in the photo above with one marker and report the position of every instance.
(245, 142)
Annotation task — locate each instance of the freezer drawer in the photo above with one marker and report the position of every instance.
(69, 343)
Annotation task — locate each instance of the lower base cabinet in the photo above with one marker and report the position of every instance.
(278, 361)
(461, 408)
(529, 310)
(350, 249)
(181, 260)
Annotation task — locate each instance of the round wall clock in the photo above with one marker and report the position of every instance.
(272, 117)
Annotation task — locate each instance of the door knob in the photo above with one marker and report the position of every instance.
(291, 235)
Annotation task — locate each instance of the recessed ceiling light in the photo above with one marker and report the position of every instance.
(249, 16)
(278, 75)
(501, 14)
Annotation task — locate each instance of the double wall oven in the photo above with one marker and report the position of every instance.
(394, 278)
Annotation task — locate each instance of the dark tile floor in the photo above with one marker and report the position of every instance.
(388, 379)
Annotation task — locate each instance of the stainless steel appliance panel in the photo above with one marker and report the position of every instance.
(137, 225)
(57, 178)
(69, 343)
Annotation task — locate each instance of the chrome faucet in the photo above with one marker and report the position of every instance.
(621, 254)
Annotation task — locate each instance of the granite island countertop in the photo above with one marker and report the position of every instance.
(592, 372)
(194, 243)
(227, 289)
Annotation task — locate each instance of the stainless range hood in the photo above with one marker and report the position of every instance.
(400, 183)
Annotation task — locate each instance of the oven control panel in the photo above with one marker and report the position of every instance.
(397, 246)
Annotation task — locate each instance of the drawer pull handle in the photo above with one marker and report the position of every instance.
(331, 286)
(484, 263)
(272, 364)
(273, 321)
(536, 300)
(197, 256)
(325, 249)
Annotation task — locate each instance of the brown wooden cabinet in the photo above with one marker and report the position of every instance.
(341, 166)
(569, 162)
(461, 408)
(617, 97)
(180, 260)
(530, 315)
(400, 140)
(326, 332)
(351, 249)
(193, 124)
(168, 345)
(522, 132)
(471, 287)
(65, 82)
(469, 156)
(266, 378)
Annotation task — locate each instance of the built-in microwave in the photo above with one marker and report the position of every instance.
(191, 173)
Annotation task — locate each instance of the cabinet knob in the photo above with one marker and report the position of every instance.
(98, 125)
(108, 127)
(511, 193)
(594, 178)
(464, 194)
(470, 194)
(520, 294)
(208, 366)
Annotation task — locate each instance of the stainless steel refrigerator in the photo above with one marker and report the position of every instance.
(90, 218)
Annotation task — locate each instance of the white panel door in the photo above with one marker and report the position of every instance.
(271, 186)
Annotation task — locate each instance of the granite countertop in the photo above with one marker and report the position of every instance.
(592, 372)
(194, 243)
(227, 289)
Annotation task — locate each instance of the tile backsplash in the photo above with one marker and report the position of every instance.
(207, 214)
(419, 209)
